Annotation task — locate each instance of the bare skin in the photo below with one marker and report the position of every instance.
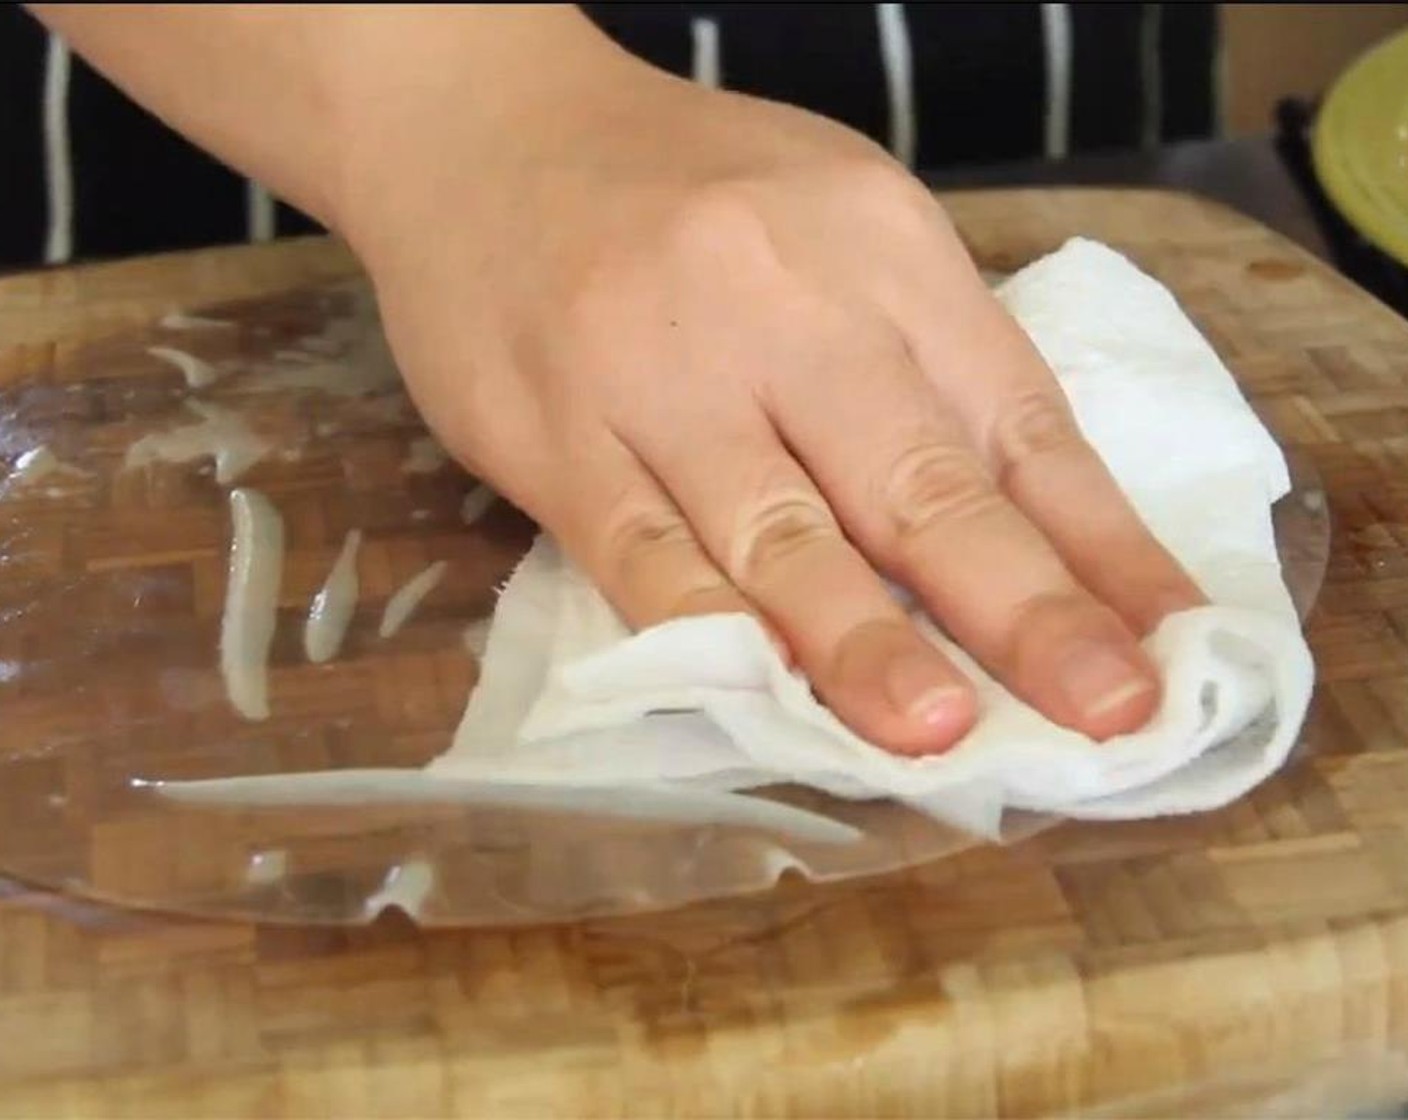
(729, 353)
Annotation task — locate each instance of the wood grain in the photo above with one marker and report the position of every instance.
(1205, 965)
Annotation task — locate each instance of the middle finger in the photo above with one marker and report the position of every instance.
(912, 492)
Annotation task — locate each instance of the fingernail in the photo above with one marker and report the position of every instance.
(923, 695)
(1097, 679)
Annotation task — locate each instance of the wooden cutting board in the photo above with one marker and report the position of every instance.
(1173, 967)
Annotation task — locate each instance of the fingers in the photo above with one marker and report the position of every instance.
(941, 453)
(1009, 402)
(636, 546)
(769, 530)
(910, 490)
(1042, 460)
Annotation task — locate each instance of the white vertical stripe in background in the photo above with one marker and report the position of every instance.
(1056, 39)
(708, 69)
(1219, 82)
(897, 58)
(1151, 74)
(259, 212)
(58, 156)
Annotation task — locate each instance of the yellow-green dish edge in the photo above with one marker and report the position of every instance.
(1360, 146)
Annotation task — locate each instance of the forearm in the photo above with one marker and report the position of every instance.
(300, 96)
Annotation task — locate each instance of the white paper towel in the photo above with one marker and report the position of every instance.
(568, 696)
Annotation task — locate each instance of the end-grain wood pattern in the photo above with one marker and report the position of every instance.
(113, 600)
(1198, 965)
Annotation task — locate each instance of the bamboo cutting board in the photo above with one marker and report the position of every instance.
(1204, 965)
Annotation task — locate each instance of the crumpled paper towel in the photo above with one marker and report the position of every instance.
(568, 696)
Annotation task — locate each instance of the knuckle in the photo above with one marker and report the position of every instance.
(1034, 425)
(636, 536)
(587, 318)
(583, 301)
(774, 532)
(882, 188)
(716, 216)
(882, 181)
(934, 484)
(703, 596)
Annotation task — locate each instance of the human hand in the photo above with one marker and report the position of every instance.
(734, 358)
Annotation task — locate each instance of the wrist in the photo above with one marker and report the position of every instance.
(421, 93)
